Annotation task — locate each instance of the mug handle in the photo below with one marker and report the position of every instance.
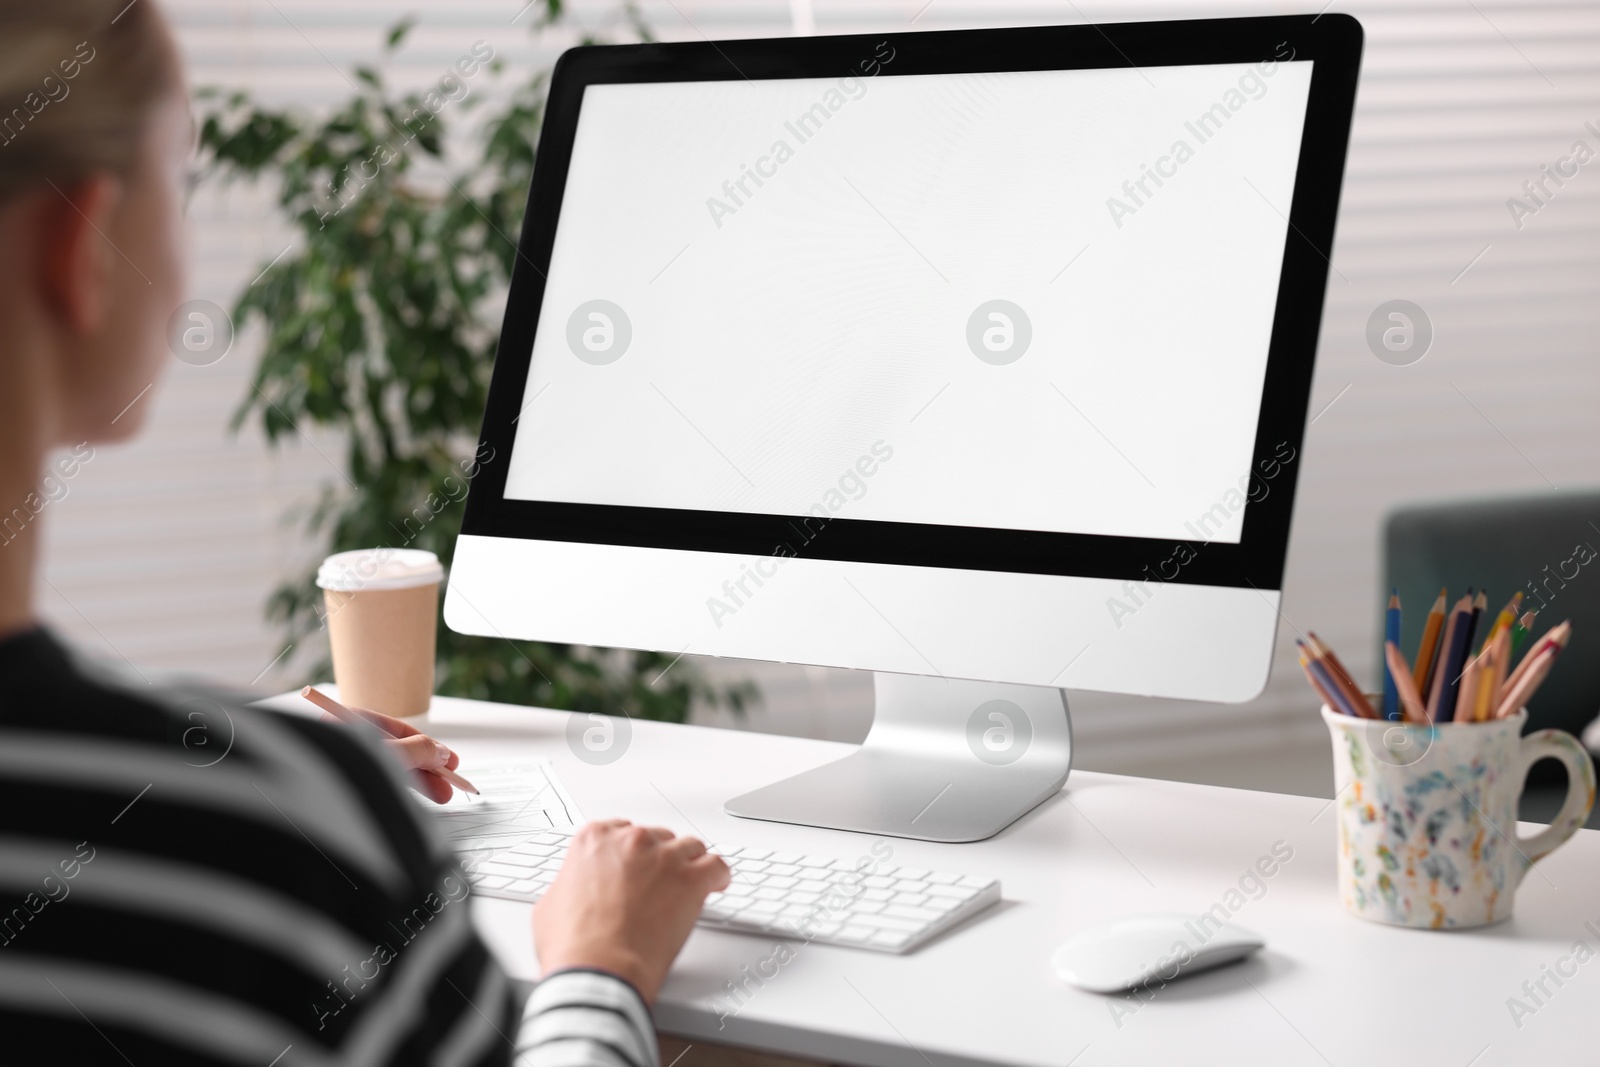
(1558, 744)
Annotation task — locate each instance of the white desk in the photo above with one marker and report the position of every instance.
(1329, 989)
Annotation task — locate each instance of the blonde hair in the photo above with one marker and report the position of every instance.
(78, 79)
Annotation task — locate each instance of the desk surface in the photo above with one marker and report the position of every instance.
(1328, 989)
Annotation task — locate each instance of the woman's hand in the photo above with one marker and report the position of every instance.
(419, 752)
(625, 901)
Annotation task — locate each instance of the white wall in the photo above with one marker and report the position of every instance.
(164, 550)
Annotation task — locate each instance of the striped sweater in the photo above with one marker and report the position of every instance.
(186, 880)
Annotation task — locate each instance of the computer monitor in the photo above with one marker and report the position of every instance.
(977, 359)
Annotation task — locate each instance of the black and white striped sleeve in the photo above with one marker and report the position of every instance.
(585, 1018)
(187, 881)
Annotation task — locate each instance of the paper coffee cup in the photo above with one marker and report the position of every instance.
(382, 616)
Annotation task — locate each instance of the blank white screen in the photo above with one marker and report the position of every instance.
(774, 345)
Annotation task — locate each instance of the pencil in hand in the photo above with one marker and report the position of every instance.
(381, 724)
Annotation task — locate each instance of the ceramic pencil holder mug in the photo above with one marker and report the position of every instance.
(1427, 816)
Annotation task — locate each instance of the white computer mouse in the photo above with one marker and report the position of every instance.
(1133, 950)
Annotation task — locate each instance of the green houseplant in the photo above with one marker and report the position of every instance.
(380, 322)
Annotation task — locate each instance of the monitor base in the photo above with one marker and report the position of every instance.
(944, 761)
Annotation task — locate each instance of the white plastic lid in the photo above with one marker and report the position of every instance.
(379, 568)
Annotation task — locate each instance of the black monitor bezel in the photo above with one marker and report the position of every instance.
(1333, 42)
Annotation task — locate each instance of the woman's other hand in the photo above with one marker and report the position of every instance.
(624, 901)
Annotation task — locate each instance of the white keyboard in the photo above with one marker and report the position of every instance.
(854, 903)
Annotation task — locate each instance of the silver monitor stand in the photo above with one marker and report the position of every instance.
(944, 761)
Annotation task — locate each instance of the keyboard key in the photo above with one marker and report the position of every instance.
(780, 882)
(912, 873)
(921, 916)
(867, 907)
(783, 868)
(526, 885)
(768, 893)
(519, 861)
(753, 866)
(739, 889)
(888, 939)
(912, 899)
(508, 869)
(754, 854)
(494, 881)
(786, 857)
(812, 885)
(882, 882)
(975, 882)
(877, 894)
(765, 907)
(910, 885)
(951, 892)
(939, 878)
(856, 933)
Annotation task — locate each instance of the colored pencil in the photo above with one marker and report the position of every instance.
(1391, 634)
(1428, 651)
(1477, 623)
(1520, 631)
(1472, 677)
(1455, 663)
(1322, 683)
(1499, 653)
(1503, 621)
(1517, 695)
(1467, 694)
(1321, 653)
(1410, 699)
(1556, 638)
(1326, 683)
(1454, 627)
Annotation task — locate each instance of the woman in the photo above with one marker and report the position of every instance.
(284, 904)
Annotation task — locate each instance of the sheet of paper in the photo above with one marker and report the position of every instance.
(518, 798)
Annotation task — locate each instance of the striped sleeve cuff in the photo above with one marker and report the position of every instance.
(583, 1018)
